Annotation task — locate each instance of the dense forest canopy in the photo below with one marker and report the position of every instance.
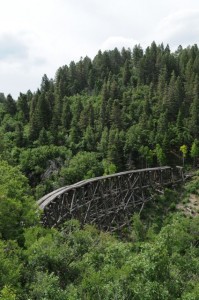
(157, 259)
(122, 110)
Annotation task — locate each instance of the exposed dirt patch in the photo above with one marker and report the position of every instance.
(191, 207)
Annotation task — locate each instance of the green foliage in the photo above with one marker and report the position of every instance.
(10, 266)
(192, 294)
(184, 151)
(161, 158)
(17, 208)
(83, 263)
(134, 108)
(193, 186)
(147, 155)
(194, 152)
(82, 166)
(46, 287)
(139, 230)
(121, 110)
(109, 168)
(7, 293)
(42, 165)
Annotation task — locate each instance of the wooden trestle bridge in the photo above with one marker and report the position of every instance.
(107, 201)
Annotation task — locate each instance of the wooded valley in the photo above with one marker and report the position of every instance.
(120, 111)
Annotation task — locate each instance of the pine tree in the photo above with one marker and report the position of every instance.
(126, 75)
(115, 153)
(137, 55)
(45, 84)
(88, 140)
(66, 117)
(19, 135)
(23, 107)
(56, 115)
(44, 111)
(194, 111)
(103, 144)
(43, 137)
(10, 105)
(116, 114)
(104, 103)
(34, 125)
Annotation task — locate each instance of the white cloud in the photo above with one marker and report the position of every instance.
(179, 28)
(12, 48)
(37, 37)
(119, 42)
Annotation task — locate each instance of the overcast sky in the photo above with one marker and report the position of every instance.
(39, 36)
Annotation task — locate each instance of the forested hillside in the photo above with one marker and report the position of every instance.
(157, 259)
(119, 111)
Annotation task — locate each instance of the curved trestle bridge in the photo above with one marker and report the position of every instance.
(107, 201)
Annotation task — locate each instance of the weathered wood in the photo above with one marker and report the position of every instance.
(107, 201)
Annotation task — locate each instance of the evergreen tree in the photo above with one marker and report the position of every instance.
(10, 105)
(137, 55)
(88, 140)
(19, 135)
(126, 75)
(45, 84)
(194, 110)
(116, 116)
(66, 114)
(56, 115)
(43, 137)
(34, 125)
(44, 111)
(173, 98)
(103, 144)
(104, 103)
(23, 107)
(115, 153)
